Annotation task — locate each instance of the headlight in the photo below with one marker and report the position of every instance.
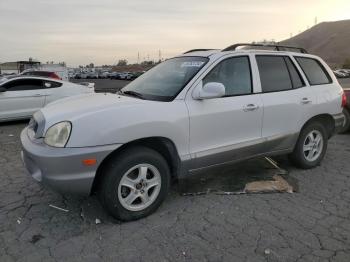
(58, 134)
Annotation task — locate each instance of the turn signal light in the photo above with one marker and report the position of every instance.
(89, 162)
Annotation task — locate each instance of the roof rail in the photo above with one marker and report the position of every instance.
(276, 47)
(197, 50)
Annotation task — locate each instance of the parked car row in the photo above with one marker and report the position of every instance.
(342, 73)
(106, 75)
(39, 73)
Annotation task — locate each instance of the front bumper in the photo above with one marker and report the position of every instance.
(339, 122)
(62, 168)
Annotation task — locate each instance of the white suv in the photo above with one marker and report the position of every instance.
(201, 110)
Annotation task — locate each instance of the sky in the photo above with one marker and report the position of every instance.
(103, 31)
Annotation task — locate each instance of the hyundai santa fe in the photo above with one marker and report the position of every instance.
(200, 110)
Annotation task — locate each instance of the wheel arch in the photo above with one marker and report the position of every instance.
(325, 119)
(162, 145)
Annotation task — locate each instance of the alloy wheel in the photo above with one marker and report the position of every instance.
(139, 187)
(313, 145)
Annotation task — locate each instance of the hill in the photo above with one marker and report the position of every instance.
(329, 40)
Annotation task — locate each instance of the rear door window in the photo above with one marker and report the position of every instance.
(274, 74)
(315, 73)
(297, 81)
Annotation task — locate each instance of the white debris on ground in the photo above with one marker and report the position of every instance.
(59, 208)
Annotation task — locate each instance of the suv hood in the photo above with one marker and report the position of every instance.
(106, 119)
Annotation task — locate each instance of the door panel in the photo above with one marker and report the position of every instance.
(284, 114)
(227, 128)
(286, 98)
(220, 127)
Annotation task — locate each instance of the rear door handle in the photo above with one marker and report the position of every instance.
(250, 107)
(305, 101)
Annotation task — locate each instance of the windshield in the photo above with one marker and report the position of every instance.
(166, 80)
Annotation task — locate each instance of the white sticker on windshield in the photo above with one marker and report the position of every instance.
(192, 64)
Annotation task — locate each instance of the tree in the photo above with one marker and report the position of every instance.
(122, 62)
(347, 64)
(147, 63)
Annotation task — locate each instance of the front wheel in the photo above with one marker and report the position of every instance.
(311, 146)
(135, 183)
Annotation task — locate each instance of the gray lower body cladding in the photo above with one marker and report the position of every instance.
(339, 122)
(62, 168)
(229, 155)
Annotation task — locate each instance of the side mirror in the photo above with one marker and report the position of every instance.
(2, 89)
(209, 90)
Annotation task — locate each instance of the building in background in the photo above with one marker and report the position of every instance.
(18, 67)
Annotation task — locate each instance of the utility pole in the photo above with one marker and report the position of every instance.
(138, 57)
(316, 20)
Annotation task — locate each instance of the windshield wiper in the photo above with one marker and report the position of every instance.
(131, 93)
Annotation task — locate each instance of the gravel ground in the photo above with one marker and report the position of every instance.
(312, 225)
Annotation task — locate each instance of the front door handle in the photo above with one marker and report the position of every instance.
(250, 107)
(37, 95)
(306, 101)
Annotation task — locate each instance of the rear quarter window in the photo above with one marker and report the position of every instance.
(315, 73)
(52, 84)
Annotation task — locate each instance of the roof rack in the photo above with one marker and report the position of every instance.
(276, 47)
(197, 50)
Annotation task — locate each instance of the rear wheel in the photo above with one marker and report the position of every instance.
(311, 146)
(135, 183)
(346, 127)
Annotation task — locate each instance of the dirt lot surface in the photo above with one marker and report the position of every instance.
(311, 225)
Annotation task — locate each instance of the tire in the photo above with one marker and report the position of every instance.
(310, 158)
(345, 128)
(122, 183)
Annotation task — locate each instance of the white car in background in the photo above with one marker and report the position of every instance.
(21, 96)
(125, 76)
